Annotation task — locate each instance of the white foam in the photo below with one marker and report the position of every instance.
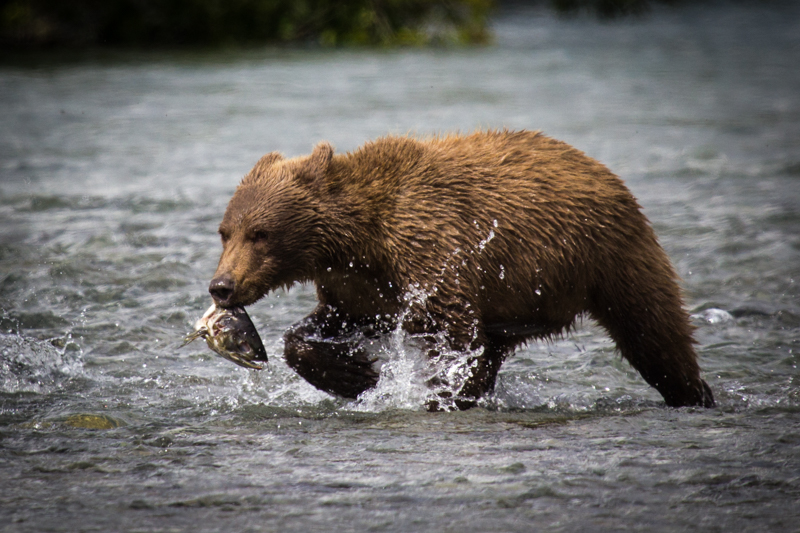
(714, 316)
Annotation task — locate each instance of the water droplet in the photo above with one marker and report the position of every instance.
(351, 264)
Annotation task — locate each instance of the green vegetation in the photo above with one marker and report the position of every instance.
(158, 23)
(77, 23)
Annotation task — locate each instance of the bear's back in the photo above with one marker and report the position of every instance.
(509, 216)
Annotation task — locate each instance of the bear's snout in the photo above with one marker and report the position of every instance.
(221, 289)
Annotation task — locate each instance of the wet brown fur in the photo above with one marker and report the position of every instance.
(567, 238)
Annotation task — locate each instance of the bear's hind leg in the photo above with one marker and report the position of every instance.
(643, 313)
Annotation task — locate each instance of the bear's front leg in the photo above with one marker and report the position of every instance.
(323, 350)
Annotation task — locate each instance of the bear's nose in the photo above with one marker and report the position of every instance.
(221, 289)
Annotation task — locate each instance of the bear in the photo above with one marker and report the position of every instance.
(511, 236)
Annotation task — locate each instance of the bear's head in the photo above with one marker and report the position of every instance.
(273, 228)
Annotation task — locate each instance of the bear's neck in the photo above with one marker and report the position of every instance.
(360, 194)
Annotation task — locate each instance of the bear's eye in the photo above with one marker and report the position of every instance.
(260, 235)
(224, 236)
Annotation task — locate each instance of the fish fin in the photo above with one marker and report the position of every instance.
(202, 332)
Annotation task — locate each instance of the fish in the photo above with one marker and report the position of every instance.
(230, 333)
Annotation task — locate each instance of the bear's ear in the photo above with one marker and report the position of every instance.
(261, 168)
(313, 169)
(268, 160)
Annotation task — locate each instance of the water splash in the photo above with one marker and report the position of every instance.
(410, 377)
(401, 383)
(31, 365)
(482, 244)
(416, 370)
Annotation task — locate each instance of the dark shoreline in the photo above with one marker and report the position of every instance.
(158, 24)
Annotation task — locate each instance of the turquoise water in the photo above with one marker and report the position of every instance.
(115, 169)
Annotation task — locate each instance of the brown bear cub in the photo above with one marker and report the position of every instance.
(509, 235)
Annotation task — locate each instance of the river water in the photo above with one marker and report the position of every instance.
(115, 169)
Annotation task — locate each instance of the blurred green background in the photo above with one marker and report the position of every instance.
(26, 24)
